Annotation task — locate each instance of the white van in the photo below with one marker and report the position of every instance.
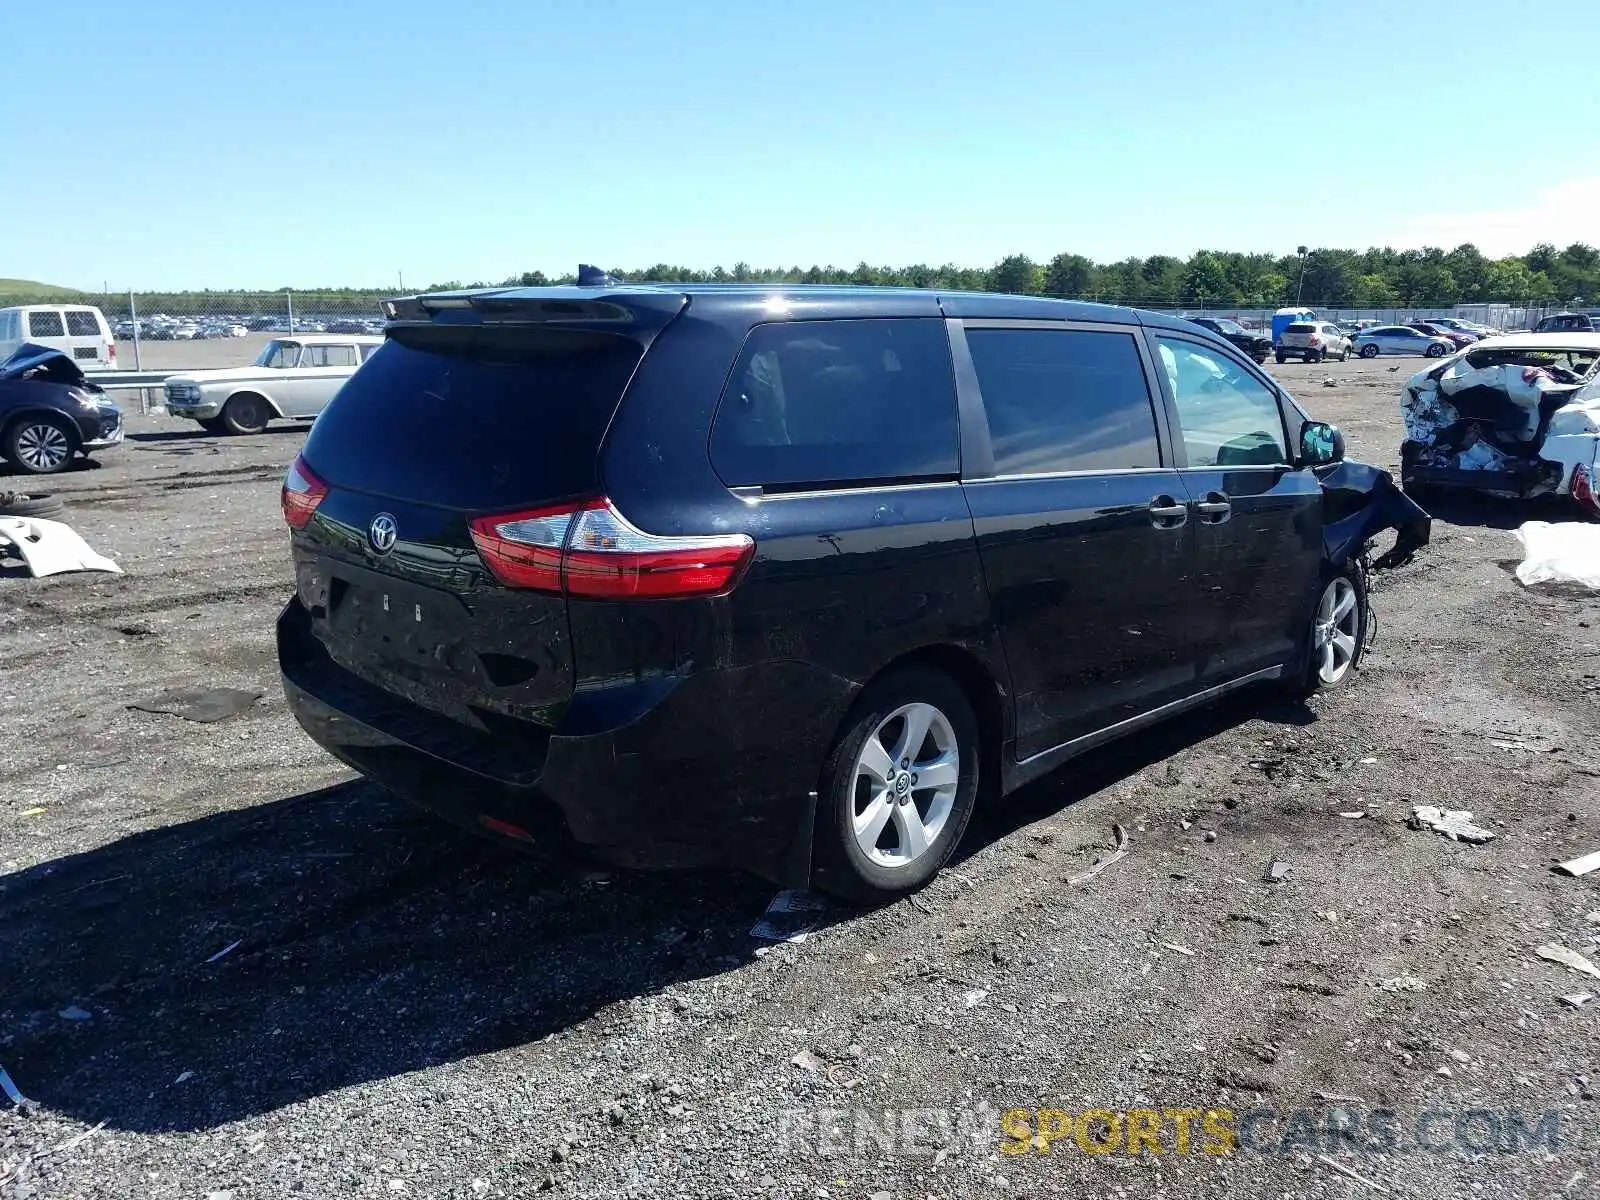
(78, 331)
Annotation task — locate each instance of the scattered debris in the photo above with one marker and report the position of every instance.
(1211, 835)
(74, 1142)
(37, 810)
(807, 1061)
(1403, 983)
(1580, 866)
(51, 548)
(184, 1077)
(1331, 916)
(1337, 1098)
(1567, 958)
(11, 1090)
(1330, 381)
(1104, 861)
(1455, 824)
(790, 917)
(1564, 553)
(1577, 999)
(1367, 762)
(204, 705)
(73, 1013)
(225, 951)
(974, 997)
(1354, 815)
(1348, 1173)
(1277, 871)
(1178, 948)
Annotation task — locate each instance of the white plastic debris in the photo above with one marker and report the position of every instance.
(974, 997)
(1580, 866)
(791, 917)
(1455, 824)
(1567, 958)
(1564, 553)
(1404, 983)
(1577, 999)
(50, 547)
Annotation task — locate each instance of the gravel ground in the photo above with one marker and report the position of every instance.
(228, 969)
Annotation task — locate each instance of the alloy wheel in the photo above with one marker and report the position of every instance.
(43, 447)
(904, 785)
(1338, 623)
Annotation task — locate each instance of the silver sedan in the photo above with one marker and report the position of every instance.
(1397, 339)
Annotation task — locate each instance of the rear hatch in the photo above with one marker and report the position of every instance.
(1301, 336)
(479, 408)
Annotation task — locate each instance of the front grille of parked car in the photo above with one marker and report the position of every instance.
(183, 392)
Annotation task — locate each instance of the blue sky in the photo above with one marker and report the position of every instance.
(347, 143)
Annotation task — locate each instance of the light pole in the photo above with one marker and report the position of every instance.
(1301, 286)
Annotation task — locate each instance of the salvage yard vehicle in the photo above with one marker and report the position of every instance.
(786, 578)
(1514, 416)
(79, 331)
(50, 412)
(1401, 339)
(1570, 322)
(1455, 337)
(1258, 346)
(1313, 341)
(293, 377)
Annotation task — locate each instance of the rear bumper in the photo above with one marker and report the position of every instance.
(681, 771)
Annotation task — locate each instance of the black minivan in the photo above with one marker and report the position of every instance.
(786, 578)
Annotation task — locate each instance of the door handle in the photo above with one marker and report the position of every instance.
(1214, 509)
(1167, 513)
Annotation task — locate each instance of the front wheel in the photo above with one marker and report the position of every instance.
(899, 787)
(1344, 354)
(1279, 356)
(1434, 352)
(211, 424)
(39, 444)
(1369, 351)
(244, 413)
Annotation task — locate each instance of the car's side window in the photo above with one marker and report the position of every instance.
(1229, 418)
(1064, 400)
(827, 402)
(367, 352)
(82, 323)
(46, 324)
(331, 356)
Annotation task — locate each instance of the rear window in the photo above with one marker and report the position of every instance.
(1301, 327)
(82, 322)
(474, 418)
(819, 402)
(1064, 400)
(45, 324)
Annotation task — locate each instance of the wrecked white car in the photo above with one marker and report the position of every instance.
(1515, 416)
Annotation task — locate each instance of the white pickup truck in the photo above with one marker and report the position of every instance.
(295, 377)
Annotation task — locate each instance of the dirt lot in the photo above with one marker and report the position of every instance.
(409, 1011)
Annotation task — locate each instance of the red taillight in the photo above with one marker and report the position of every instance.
(589, 550)
(302, 492)
(111, 351)
(1315, 339)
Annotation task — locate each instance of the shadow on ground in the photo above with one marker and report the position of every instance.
(372, 940)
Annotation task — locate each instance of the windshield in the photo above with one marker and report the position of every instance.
(1230, 327)
(279, 354)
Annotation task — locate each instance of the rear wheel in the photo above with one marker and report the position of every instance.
(244, 413)
(1370, 350)
(899, 787)
(1338, 630)
(1344, 354)
(39, 443)
(1434, 352)
(1279, 356)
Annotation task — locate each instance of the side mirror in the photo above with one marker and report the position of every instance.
(1320, 444)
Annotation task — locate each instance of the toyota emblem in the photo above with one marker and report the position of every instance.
(382, 532)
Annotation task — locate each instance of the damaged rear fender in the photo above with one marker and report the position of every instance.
(1359, 501)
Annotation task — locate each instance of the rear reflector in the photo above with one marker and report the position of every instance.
(302, 492)
(589, 550)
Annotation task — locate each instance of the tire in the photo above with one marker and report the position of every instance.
(40, 443)
(1433, 352)
(212, 424)
(245, 412)
(1279, 357)
(1335, 649)
(861, 781)
(1370, 350)
(1344, 355)
(31, 504)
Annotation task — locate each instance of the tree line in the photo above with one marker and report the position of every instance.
(1321, 278)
